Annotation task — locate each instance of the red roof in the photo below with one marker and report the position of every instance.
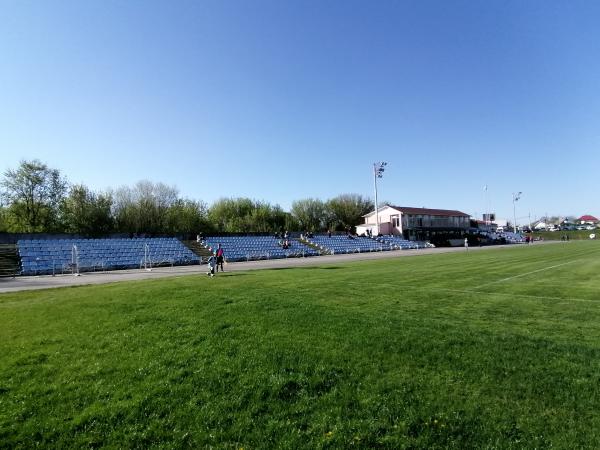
(430, 212)
(588, 218)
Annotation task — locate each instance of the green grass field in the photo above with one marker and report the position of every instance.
(487, 349)
(573, 234)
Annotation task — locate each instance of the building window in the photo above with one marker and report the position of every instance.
(395, 221)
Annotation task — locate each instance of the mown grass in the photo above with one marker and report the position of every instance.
(573, 234)
(441, 351)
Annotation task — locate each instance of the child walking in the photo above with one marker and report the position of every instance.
(212, 263)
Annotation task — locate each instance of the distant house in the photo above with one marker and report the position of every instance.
(415, 223)
(587, 220)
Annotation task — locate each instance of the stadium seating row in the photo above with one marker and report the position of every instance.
(248, 248)
(344, 244)
(61, 255)
(512, 238)
(508, 236)
(399, 243)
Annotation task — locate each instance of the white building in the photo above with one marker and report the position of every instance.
(415, 223)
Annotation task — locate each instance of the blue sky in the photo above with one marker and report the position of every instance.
(284, 100)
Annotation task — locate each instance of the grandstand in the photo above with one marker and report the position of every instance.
(343, 244)
(512, 238)
(507, 237)
(55, 256)
(249, 248)
(9, 260)
(399, 243)
(50, 256)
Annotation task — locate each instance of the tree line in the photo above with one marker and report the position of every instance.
(39, 199)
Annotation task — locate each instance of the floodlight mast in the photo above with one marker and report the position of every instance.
(516, 198)
(378, 169)
(487, 209)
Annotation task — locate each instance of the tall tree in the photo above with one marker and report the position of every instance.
(3, 219)
(143, 208)
(346, 210)
(188, 216)
(124, 210)
(280, 219)
(86, 212)
(34, 192)
(231, 214)
(154, 201)
(238, 215)
(310, 214)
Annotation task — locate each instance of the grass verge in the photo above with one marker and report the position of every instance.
(479, 349)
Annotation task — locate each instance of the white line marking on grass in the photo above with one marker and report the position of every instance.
(525, 274)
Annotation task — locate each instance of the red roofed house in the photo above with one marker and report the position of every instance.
(416, 223)
(588, 220)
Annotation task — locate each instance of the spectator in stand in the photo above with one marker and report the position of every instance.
(328, 233)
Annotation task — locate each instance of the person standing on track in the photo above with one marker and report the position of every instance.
(220, 258)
